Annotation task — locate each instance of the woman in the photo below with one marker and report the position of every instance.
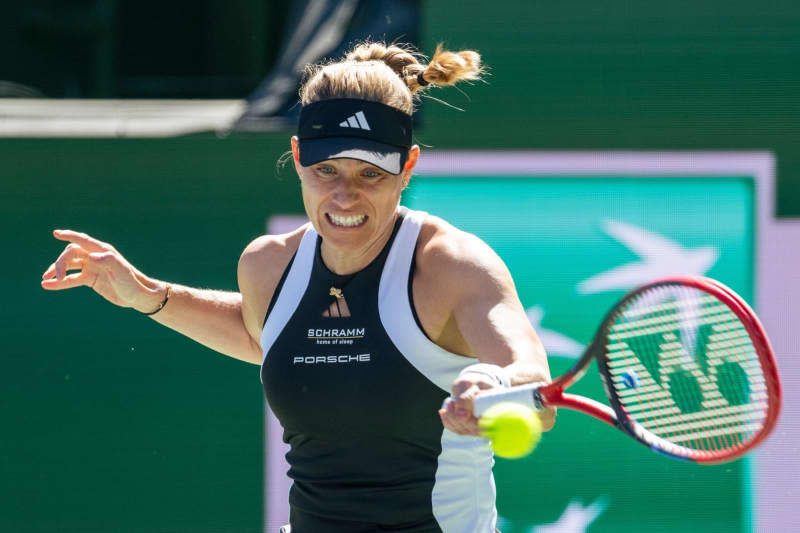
(363, 320)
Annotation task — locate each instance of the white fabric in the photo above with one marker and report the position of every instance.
(294, 287)
(464, 491)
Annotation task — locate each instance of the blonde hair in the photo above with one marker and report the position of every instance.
(387, 74)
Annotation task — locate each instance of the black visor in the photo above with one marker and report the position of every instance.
(359, 129)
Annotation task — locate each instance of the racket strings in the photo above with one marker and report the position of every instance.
(683, 366)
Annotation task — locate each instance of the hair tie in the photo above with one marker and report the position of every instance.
(422, 81)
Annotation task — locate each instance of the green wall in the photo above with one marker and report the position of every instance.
(625, 75)
(112, 423)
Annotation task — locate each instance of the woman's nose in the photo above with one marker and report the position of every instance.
(346, 191)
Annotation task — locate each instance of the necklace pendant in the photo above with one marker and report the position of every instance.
(336, 292)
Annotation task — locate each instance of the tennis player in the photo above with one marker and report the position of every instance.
(363, 320)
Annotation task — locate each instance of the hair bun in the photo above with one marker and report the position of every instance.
(444, 68)
(363, 74)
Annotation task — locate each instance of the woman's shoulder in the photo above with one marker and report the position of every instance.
(454, 268)
(442, 247)
(267, 256)
(260, 268)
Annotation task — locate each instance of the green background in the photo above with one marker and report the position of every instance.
(549, 231)
(113, 423)
(625, 75)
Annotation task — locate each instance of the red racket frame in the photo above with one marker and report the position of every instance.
(553, 394)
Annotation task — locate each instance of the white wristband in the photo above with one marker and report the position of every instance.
(497, 373)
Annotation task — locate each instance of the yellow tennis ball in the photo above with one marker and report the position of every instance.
(513, 429)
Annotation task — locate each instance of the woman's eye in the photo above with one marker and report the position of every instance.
(326, 170)
(371, 173)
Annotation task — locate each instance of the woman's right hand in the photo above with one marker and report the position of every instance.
(103, 269)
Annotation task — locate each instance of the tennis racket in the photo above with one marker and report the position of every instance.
(687, 368)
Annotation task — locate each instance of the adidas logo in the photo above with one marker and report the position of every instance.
(337, 309)
(357, 121)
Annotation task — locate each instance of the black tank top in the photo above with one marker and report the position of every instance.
(356, 386)
(360, 419)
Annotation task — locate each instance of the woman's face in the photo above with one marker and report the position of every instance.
(351, 203)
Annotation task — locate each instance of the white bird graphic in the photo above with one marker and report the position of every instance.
(575, 518)
(555, 343)
(659, 255)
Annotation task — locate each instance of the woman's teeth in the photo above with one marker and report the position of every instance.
(347, 221)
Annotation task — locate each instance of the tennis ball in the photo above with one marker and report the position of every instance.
(513, 429)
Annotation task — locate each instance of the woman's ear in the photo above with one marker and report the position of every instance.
(408, 169)
(296, 154)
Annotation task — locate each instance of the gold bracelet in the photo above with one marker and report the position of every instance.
(161, 306)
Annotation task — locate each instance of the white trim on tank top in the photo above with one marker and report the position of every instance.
(434, 362)
(294, 287)
(464, 493)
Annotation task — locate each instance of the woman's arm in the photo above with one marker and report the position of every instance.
(212, 318)
(483, 318)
